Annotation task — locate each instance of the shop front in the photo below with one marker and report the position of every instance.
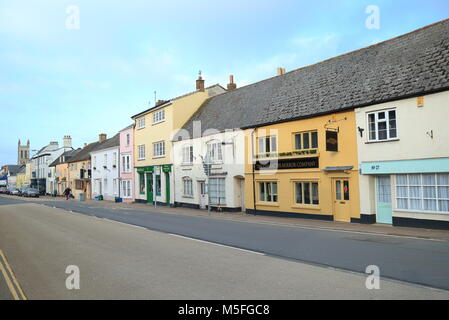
(154, 184)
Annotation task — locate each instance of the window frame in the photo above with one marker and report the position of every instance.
(311, 195)
(156, 147)
(141, 147)
(422, 197)
(159, 116)
(386, 120)
(220, 184)
(264, 139)
(187, 187)
(214, 151)
(140, 123)
(187, 155)
(272, 194)
(310, 140)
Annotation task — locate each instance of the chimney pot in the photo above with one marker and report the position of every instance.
(231, 84)
(280, 71)
(102, 137)
(200, 83)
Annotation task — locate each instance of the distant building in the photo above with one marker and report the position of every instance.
(23, 153)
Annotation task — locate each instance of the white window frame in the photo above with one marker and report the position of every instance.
(141, 123)
(301, 134)
(215, 151)
(187, 187)
(187, 154)
(159, 149)
(262, 144)
(217, 191)
(141, 152)
(273, 197)
(376, 124)
(126, 189)
(311, 183)
(126, 163)
(422, 197)
(128, 139)
(159, 116)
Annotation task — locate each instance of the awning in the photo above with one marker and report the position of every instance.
(338, 168)
(406, 166)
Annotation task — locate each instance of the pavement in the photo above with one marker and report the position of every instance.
(121, 260)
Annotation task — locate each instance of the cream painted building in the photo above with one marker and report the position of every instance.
(403, 151)
(153, 131)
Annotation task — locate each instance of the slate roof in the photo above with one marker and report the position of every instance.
(109, 143)
(68, 155)
(84, 153)
(13, 169)
(410, 65)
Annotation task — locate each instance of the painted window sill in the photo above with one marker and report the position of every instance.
(140, 128)
(380, 141)
(159, 157)
(268, 204)
(442, 213)
(155, 123)
(188, 197)
(308, 207)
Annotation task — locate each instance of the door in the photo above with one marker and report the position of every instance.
(341, 197)
(167, 188)
(149, 187)
(202, 193)
(383, 200)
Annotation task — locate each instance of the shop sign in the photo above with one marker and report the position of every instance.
(285, 164)
(331, 140)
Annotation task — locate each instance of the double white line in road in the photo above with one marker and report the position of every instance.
(10, 278)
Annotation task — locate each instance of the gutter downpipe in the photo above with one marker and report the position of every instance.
(253, 173)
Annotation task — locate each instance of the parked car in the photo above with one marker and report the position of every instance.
(31, 192)
(14, 191)
(2, 189)
(21, 191)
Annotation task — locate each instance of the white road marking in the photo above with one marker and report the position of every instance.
(216, 244)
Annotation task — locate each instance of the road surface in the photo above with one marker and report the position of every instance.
(229, 260)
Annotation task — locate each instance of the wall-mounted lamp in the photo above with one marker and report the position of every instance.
(361, 131)
(430, 134)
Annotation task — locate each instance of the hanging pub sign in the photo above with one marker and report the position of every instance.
(283, 164)
(331, 140)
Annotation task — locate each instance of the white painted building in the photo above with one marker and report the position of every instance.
(105, 169)
(403, 150)
(225, 152)
(42, 176)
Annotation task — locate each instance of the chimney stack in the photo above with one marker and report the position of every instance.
(67, 142)
(231, 84)
(102, 137)
(281, 71)
(200, 83)
(160, 102)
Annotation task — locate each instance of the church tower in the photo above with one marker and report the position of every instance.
(23, 153)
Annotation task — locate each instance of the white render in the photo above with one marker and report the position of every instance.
(231, 168)
(415, 127)
(40, 163)
(105, 165)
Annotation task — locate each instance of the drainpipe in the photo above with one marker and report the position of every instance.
(253, 173)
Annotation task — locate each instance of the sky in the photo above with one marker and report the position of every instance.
(84, 67)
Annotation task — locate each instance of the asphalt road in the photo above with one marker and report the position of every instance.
(411, 260)
(121, 261)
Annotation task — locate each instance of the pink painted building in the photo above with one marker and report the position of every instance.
(126, 164)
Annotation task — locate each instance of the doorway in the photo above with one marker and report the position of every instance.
(202, 193)
(149, 188)
(341, 199)
(383, 200)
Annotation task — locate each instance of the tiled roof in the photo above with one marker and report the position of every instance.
(67, 155)
(84, 153)
(109, 143)
(413, 64)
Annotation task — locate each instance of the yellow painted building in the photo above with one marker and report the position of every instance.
(153, 132)
(21, 179)
(307, 168)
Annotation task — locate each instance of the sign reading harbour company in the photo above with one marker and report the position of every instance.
(284, 164)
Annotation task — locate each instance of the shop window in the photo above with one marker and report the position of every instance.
(306, 193)
(306, 140)
(382, 125)
(268, 191)
(142, 183)
(217, 191)
(158, 185)
(423, 192)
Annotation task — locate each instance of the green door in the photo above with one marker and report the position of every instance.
(167, 188)
(149, 187)
(383, 200)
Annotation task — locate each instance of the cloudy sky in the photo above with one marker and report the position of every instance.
(58, 79)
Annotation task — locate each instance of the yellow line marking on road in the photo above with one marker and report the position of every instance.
(14, 279)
